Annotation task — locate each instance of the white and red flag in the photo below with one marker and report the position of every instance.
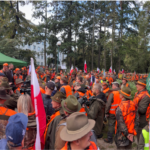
(85, 67)
(71, 70)
(122, 70)
(110, 70)
(98, 70)
(39, 109)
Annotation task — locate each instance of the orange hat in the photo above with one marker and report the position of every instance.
(5, 64)
(17, 69)
(58, 77)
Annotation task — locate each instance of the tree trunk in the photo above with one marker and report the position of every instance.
(93, 35)
(104, 40)
(45, 34)
(99, 47)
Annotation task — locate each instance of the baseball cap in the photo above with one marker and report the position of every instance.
(50, 85)
(16, 129)
(5, 64)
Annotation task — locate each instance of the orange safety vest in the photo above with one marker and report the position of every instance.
(18, 90)
(68, 90)
(91, 147)
(110, 80)
(106, 90)
(42, 90)
(128, 110)
(127, 84)
(17, 77)
(139, 96)
(116, 102)
(51, 119)
(6, 112)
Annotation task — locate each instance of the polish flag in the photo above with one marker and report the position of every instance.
(110, 70)
(39, 109)
(76, 68)
(85, 67)
(122, 70)
(71, 70)
(98, 70)
(114, 71)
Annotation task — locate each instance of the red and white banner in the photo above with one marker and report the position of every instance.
(122, 70)
(98, 70)
(39, 109)
(71, 70)
(85, 67)
(110, 70)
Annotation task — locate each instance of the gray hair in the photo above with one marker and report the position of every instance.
(24, 104)
(98, 87)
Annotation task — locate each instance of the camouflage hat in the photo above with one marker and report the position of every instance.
(4, 79)
(18, 81)
(6, 85)
(58, 97)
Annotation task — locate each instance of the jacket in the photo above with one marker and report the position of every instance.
(91, 147)
(30, 135)
(142, 100)
(142, 141)
(59, 143)
(5, 113)
(96, 112)
(126, 122)
(47, 105)
(17, 77)
(50, 136)
(106, 92)
(109, 103)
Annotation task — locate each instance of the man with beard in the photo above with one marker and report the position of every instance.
(96, 110)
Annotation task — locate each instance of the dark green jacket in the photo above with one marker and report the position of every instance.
(96, 112)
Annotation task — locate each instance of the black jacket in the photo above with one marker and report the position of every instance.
(102, 97)
(47, 104)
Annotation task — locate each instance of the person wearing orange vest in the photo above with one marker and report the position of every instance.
(113, 102)
(141, 100)
(96, 110)
(126, 120)
(54, 120)
(19, 84)
(105, 89)
(5, 69)
(124, 83)
(70, 105)
(5, 113)
(72, 79)
(17, 75)
(77, 133)
(65, 88)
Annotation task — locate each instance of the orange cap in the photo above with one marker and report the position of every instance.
(58, 77)
(17, 69)
(5, 64)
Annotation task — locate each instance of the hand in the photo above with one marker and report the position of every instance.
(83, 106)
(130, 137)
(10, 83)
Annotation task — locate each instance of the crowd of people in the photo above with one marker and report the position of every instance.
(78, 107)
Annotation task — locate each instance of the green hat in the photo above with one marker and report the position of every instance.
(58, 97)
(141, 82)
(4, 79)
(18, 81)
(6, 85)
(71, 104)
(126, 92)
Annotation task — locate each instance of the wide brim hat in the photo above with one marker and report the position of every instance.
(141, 82)
(3, 94)
(58, 97)
(126, 92)
(6, 85)
(71, 104)
(18, 81)
(73, 134)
